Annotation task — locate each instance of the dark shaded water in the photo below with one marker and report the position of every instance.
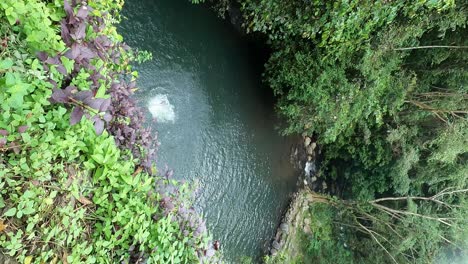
(214, 122)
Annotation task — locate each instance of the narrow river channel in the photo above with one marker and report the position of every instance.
(215, 121)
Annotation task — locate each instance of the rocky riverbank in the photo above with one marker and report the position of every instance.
(295, 225)
(305, 158)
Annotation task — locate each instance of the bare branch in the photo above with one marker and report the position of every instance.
(438, 219)
(378, 242)
(432, 47)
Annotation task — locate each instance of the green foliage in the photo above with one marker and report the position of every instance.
(377, 82)
(414, 229)
(323, 246)
(68, 195)
(37, 21)
(384, 87)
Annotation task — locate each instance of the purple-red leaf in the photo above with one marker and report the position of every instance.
(99, 126)
(79, 32)
(86, 53)
(84, 96)
(73, 52)
(3, 132)
(105, 105)
(76, 115)
(65, 32)
(83, 12)
(95, 103)
(3, 141)
(22, 129)
(107, 117)
(68, 8)
(59, 96)
(69, 90)
(53, 82)
(53, 60)
(16, 147)
(61, 69)
(42, 56)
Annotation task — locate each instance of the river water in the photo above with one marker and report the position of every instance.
(215, 121)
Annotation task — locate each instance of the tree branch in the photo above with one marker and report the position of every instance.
(378, 242)
(432, 47)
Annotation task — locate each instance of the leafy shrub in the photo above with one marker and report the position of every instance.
(67, 193)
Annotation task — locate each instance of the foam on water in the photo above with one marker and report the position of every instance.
(161, 109)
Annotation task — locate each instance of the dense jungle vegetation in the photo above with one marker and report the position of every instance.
(76, 181)
(383, 86)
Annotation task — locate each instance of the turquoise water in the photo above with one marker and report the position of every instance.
(214, 120)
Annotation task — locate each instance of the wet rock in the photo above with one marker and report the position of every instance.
(284, 227)
(314, 179)
(309, 168)
(276, 245)
(324, 185)
(310, 148)
(307, 141)
(309, 158)
(306, 227)
(273, 251)
(313, 145)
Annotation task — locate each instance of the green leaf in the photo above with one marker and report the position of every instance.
(127, 178)
(28, 194)
(67, 63)
(10, 212)
(6, 64)
(101, 92)
(98, 158)
(10, 79)
(30, 227)
(26, 137)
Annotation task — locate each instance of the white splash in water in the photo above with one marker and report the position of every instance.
(161, 109)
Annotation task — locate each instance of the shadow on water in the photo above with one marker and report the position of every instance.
(214, 119)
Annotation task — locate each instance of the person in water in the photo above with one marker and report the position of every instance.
(216, 245)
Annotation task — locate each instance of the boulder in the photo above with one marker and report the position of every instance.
(313, 145)
(310, 148)
(310, 168)
(276, 245)
(307, 141)
(284, 227)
